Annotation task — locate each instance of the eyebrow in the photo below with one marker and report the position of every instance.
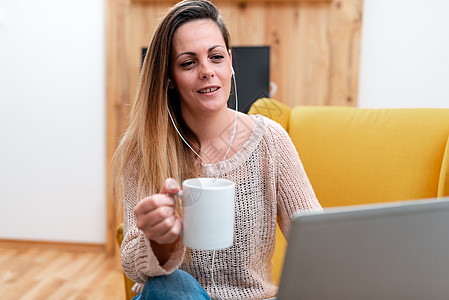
(193, 53)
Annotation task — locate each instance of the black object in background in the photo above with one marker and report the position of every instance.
(252, 72)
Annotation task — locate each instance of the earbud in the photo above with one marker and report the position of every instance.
(170, 84)
(232, 69)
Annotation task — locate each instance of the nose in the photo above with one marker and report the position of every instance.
(206, 71)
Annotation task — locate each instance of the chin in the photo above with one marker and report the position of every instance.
(214, 108)
(214, 105)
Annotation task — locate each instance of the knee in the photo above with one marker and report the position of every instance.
(177, 285)
(179, 278)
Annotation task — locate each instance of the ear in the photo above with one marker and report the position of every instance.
(171, 83)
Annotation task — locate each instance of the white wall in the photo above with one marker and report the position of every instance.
(52, 116)
(405, 54)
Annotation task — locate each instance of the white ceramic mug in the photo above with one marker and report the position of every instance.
(208, 213)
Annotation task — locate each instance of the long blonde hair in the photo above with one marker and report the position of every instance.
(150, 150)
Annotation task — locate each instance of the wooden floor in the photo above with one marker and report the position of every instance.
(33, 271)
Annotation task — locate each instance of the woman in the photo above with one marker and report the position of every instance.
(187, 76)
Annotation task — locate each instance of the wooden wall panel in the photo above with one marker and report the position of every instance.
(300, 52)
(345, 20)
(314, 54)
(246, 22)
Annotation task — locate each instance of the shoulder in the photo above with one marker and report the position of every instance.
(271, 129)
(277, 139)
(247, 120)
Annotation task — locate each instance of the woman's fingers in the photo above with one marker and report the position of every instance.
(152, 217)
(156, 215)
(151, 203)
(168, 231)
(170, 186)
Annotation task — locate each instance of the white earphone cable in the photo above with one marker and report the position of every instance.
(212, 275)
(221, 163)
(235, 124)
(182, 138)
(233, 132)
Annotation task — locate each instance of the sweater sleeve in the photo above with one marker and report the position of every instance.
(294, 190)
(138, 260)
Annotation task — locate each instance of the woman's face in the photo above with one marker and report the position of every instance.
(201, 68)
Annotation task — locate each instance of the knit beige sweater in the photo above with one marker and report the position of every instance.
(271, 185)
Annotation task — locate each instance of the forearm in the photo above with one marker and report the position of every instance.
(139, 260)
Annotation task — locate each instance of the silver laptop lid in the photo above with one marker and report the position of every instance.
(385, 251)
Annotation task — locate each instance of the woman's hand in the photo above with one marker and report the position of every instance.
(156, 215)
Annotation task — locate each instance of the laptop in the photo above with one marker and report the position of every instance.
(383, 251)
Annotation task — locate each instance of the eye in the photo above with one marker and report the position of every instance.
(217, 57)
(187, 64)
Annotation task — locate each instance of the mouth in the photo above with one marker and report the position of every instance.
(208, 90)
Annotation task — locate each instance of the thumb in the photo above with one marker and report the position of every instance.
(170, 186)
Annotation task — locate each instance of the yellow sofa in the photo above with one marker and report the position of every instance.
(357, 155)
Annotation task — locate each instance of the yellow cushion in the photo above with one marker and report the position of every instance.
(356, 156)
(279, 254)
(272, 109)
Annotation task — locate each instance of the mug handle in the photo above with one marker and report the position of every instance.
(179, 194)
